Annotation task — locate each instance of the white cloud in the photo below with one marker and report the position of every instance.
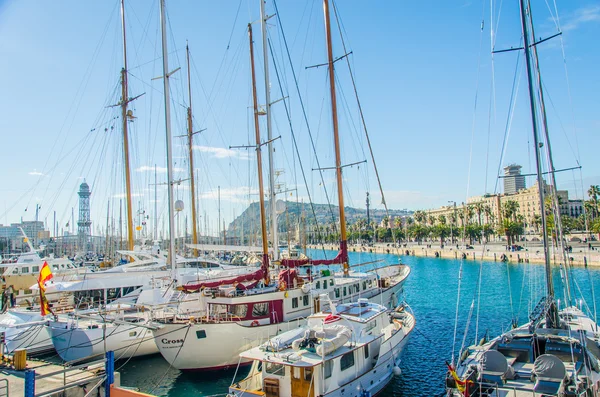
(580, 16)
(161, 170)
(124, 195)
(36, 173)
(234, 194)
(222, 153)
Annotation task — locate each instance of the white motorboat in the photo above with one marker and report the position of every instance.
(352, 350)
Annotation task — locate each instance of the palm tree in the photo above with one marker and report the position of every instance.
(470, 213)
(420, 216)
(510, 209)
(479, 208)
(594, 192)
(442, 219)
(487, 210)
(431, 220)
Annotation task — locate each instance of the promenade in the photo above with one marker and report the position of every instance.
(532, 252)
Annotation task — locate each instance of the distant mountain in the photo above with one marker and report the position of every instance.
(290, 212)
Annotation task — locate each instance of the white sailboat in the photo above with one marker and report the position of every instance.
(557, 353)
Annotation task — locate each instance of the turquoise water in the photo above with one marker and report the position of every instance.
(431, 291)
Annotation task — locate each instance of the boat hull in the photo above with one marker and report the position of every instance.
(213, 346)
(25, 330)
(86, 343)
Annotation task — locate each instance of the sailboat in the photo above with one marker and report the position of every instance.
(242, 312)
(557, 352)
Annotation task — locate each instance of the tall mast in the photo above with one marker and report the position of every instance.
(272, 194)
(555, 203)
(261, 195)
(552, 318)
(190, 154)
(124, 102)
(166, 76)
(336, 139)
(155, 204)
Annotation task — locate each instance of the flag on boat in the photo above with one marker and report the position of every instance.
(461, 385)
(45, 275)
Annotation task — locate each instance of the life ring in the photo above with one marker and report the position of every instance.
(282, 286)
(254, 323)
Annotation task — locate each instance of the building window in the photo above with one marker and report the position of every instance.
(294, 303)
(347, 361)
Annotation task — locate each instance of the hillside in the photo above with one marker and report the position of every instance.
(249, 220)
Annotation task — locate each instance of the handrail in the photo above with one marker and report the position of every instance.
(71, 368)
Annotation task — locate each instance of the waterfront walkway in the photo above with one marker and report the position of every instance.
(531, 252)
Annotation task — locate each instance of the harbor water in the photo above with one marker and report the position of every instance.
(431, 291)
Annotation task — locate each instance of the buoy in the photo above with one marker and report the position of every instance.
(397, 371)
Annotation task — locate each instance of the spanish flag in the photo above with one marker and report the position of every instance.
(45, 275)
(461, 385)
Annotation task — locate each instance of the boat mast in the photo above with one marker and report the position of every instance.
(336, 139)
(166, 76)
(552, 317)
(272, 194)
(124, 102)
(190, 154)
(261, 195)
(555, 203)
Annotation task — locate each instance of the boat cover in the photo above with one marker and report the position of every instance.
(549, 367)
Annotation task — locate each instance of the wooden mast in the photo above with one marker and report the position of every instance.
(261, 190)
(191, 154)
(336, 139)
(124, 102)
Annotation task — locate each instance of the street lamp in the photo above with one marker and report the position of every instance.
(452, 221)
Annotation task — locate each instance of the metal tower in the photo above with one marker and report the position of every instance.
(84, 225)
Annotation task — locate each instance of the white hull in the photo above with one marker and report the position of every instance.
(25, 330)
(87, 342)
(180, 345)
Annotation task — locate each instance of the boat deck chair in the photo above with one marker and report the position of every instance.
(493, 367)
(550, 374)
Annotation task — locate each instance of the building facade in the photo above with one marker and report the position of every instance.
(513, 180)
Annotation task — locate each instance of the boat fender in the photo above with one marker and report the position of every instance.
(397, 371)
(305, 288)
(254, 323)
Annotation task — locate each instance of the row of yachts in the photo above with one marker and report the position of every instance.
(207, 315)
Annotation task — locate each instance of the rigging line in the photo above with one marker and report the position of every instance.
(312, 208)
(507, 127)
(302, 106)
(234, 23)
(335, 12)
(473, 123)
(73, 109)
(460, 274)
(478, 299)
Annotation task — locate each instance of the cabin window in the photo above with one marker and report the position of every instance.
(345, 291)
(15, 271)
(305, 300)
(364, 285)
(133, 333)
(239, 310)
(307, 374)
(275, 369)
(294, 303)
(25, 269)
(337, 292)
(318, 284)
(328, 368)
(347, 361)
(35, 269)
(260, 309)
(366, 351)
(357, 287)
(55, 268)
(331, 283)
(201, 334)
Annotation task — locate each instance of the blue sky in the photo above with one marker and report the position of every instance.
(416, 67)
